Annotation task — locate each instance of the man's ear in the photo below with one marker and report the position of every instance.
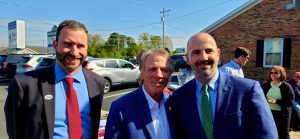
(54, 44)
(187, 59)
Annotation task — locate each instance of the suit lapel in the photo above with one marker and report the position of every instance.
(49, 99)
(170, 118)
(191, 105)
(95, 101)
(223, 94)
(144, 112)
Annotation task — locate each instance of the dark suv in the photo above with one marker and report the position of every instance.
(179, 62)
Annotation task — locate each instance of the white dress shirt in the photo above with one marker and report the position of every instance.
(159, 116)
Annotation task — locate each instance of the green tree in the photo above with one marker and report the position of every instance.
(144, 39)
(155, 41)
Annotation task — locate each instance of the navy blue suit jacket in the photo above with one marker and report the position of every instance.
(129, 118)
(241, 111)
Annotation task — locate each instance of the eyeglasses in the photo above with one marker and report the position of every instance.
(274, 73)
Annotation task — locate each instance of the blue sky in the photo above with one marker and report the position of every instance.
(127, 17)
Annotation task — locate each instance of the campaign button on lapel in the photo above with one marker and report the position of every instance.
(48, 97)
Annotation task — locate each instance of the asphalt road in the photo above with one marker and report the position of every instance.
(3, 94)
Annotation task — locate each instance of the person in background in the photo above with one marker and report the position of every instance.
(144, 113)
(234, 67)
(295, 83)
(280, 97)
(215, 105)
(60, 102)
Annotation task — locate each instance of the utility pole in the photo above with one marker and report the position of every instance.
(118, 46)
(163, 21)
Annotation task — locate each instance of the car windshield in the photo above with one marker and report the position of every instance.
(13, 58)
(24, 60)
(45, 62)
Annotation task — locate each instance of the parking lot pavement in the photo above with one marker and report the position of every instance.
(3, 94)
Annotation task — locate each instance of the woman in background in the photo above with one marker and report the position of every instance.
(280, 98)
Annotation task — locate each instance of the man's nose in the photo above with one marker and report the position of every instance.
(159, 73)
(203, 56)
(74, 50)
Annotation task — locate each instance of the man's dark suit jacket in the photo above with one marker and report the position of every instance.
(129, 118)
(241, 111)
(29, 107)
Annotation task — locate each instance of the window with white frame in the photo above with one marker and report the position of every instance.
(273, 52)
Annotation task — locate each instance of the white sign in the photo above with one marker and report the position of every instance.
(12, 34)
(16, 34)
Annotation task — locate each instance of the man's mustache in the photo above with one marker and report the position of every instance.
(71, 56)
(204, 62)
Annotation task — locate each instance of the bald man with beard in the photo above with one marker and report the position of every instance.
(228, 108)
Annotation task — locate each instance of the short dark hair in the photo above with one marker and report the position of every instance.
(241, 51)
(72, 24)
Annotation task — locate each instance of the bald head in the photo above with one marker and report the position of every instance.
(200, 39)
(203, 56)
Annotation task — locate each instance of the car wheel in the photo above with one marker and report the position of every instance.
(107, 86)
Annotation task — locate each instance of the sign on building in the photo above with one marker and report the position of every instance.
(51, 37)
(16, 34)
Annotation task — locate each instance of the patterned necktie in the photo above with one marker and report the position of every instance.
(74, 121)
(206, 112)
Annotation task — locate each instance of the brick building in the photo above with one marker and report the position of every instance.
(269, 28)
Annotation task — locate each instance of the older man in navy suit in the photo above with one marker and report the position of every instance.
(144, 113)
(216, 105)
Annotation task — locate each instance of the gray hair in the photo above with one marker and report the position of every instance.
(156, 51)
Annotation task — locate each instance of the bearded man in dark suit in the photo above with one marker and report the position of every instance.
(38, 103)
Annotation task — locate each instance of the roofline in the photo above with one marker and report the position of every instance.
(231, 15)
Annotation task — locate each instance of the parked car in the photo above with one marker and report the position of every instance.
(46, 62)
(177, 79)
(28, 63)
(10, 64)
(179, 62)
(2, 59)
(115, 71)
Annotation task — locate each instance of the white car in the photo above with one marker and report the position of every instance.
(28, 63)
(177, 79)
(115, 71)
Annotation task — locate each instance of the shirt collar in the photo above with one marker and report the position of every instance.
(234, 64)
(212, 83)
(60, 74)
(151, 102)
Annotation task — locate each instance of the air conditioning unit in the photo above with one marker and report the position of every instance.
(295, 4)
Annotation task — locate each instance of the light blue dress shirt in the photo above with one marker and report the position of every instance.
(233, 69)
(159, 117)
(212, 90)
(61, 119)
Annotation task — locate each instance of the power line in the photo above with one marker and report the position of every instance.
(198, 11)
(145, 25)
(127, 28)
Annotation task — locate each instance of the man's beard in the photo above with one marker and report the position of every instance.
(62, 58)
(201, 73)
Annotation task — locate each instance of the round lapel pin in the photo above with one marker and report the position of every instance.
(48, 97)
